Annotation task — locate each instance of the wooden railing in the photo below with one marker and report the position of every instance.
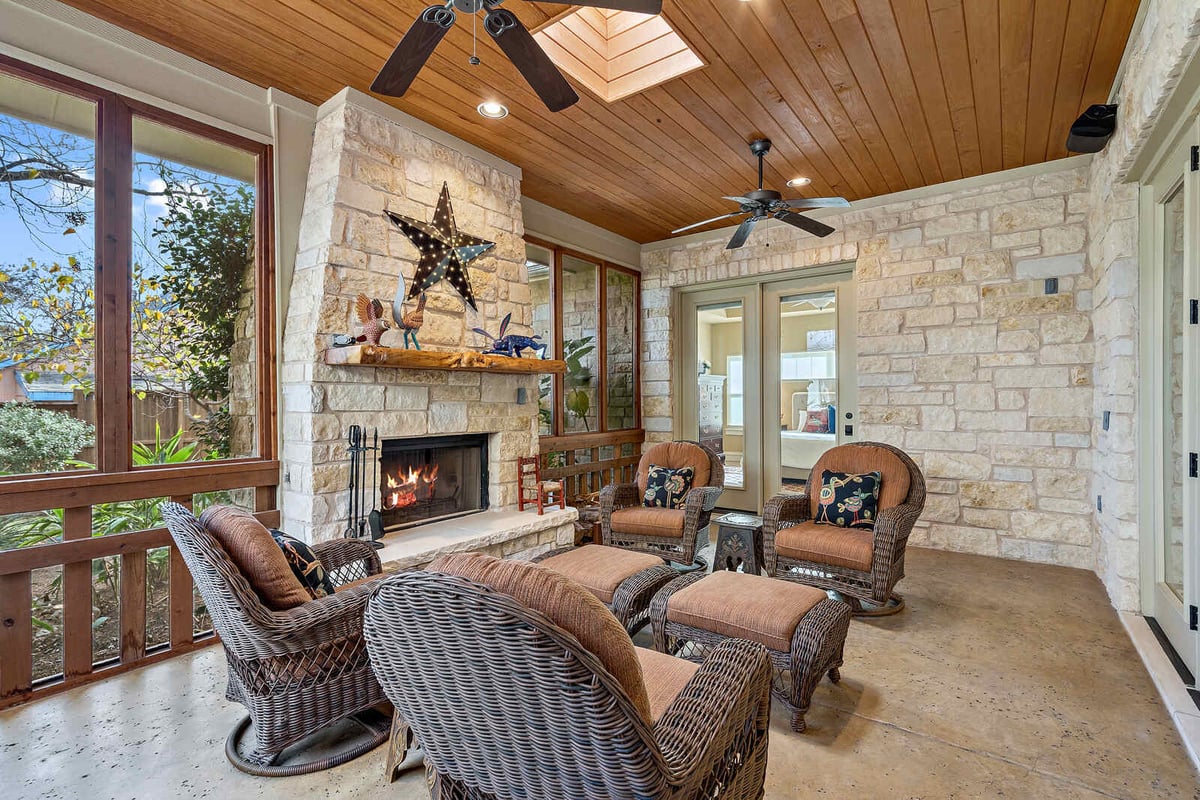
(76, 495)
(588, 462)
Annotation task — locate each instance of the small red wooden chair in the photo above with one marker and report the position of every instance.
(532, 490)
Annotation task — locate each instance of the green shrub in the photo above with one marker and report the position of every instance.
(35, 439)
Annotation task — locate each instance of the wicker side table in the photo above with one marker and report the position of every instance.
(803, 630)
(739, 543)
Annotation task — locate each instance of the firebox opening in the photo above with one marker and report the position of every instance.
(429, 478)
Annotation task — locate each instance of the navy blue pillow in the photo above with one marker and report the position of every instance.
(667, 488)
(305, 564)
(848, 501)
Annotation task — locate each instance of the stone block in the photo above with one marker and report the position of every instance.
(1050, 266)
(997, 494)
(1059, 402)
(1028, 214)
(940, 464)
(1048, 527)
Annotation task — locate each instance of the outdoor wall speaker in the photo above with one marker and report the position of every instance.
(1093, 129)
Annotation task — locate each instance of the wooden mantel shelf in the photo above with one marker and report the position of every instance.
(368, 355)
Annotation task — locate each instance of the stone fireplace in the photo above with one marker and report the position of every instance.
(366, 157)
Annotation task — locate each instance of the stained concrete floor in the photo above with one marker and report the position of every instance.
(1000, 679)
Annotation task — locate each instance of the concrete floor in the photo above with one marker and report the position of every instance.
(1001, 679)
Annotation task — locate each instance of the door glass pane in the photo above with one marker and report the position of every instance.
(194, 371)
(1173, 335)
(47, 263)
(581, 312)
(808, 392)
(619, 330)
(538, 262)
(721, 396)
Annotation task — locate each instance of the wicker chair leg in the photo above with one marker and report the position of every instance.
(835, 675)
(262, 763)
(401, 744)
(798, 723)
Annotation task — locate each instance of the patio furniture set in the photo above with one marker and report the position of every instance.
(524, 674)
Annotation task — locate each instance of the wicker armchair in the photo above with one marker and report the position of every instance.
(508, 704)
(862, 565)
(669, 533)
(295, 671)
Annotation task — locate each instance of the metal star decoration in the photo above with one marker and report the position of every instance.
(445, 251)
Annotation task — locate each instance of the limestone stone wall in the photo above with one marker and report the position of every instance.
(365, 158)
(963, 359)
(1168, 40)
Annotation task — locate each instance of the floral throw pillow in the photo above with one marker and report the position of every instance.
(305, 564)
(847, 500)
(667, 488)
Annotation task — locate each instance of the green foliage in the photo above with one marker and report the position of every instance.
(35, 439)
(579, 375)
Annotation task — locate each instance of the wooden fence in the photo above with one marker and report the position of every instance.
(76, 495)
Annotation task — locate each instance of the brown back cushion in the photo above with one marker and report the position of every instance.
(567, 604)
(674, 455)
(251, 547)
(857, 459)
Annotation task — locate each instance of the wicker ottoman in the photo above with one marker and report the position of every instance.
(803, 630)
(622, 579)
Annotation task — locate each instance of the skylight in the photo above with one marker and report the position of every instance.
(615, 54)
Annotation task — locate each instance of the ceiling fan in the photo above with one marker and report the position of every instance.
(502, 25)
(762, 203)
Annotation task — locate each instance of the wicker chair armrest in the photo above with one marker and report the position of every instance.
(340, 553)
(892, 527)
(555, 552)
(731, 689)
(704, 496)
(781, 511)
(618, 495)
(338, 614)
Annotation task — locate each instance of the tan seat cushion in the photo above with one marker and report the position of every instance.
(856, 459)
(601, 569)
(643, 521)
(567, 604)
(764, 610)
(250, 546)
(665, 677)
(827, 544)
(675, 455)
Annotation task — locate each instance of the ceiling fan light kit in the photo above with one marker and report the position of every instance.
(762, 203)
(514, 39)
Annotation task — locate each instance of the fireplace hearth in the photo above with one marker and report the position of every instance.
(428, 478)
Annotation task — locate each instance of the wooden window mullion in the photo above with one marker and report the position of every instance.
(602, 347)
(114, 254)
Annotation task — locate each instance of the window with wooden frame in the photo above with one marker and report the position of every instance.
(136, 365)
(588, 310)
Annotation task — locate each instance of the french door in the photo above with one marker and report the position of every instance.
(1171, 208)
(767, 378)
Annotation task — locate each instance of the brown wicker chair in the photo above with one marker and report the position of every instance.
(508, 704)
(861, 565)
(295, 671)
(669, 533)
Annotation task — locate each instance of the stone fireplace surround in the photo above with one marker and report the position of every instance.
(366, 157)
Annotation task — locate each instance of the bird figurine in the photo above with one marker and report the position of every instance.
(411, 322)
(370, 314)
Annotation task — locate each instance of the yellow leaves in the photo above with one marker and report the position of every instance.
(3, 277)
(73, 261)
(68, 231)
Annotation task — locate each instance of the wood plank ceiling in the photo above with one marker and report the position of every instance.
(865, 97)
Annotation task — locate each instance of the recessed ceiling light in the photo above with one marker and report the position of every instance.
(492, 110)
(794, 181)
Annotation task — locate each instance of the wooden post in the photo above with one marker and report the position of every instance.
(16, 635)
(182, 599)
(77, 597)
(133, 606)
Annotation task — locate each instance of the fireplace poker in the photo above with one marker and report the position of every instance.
(375, 518)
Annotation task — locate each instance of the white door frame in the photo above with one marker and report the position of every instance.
(1157, 600)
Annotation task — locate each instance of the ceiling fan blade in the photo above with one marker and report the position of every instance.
(530, 59)
(640, 6)
(804, 223)
(818, 202)
(410, 55)
(714, 219)
(742, 200)
(742, 233)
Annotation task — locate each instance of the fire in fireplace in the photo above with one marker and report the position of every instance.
(432, 477)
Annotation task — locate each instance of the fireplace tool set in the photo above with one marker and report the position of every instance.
(363, 524)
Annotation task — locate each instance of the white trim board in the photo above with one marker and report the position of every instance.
(905, 196)
(558, 227)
